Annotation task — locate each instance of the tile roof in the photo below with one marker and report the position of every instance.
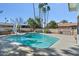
(66, 24)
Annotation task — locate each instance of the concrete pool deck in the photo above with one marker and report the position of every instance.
(66, 46)
(64, 41)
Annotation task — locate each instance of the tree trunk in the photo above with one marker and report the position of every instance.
(44, 21)
(47, 19)
(34, 10)
(39, 13)
(77, 24)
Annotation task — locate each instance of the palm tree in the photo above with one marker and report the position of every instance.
(38, 22)
(45, 10)
(40, 7)
(44, 16)
(48, 9)
(6, 20)
(19, 21)
(17, 24)
(14, 25)
(52, 24)
(31, 23)
(34, 23)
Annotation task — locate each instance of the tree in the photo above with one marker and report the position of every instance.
(38, 22)
(44, 15)
(40, 6)
(31, 23)
(6, 20)
(48, 9)
(52, 24)
(34, 23)
(64, 21)
(17, 23)
(44, 9)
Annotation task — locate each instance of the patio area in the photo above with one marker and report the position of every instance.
(66, 46)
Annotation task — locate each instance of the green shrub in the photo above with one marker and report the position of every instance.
(46, 31)
(39, 31)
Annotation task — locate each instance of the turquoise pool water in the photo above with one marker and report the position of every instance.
(35, 40)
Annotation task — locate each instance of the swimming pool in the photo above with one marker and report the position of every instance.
(35, 40)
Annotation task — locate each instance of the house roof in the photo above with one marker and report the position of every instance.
(6, 24)
(10, 24)
(67, 24)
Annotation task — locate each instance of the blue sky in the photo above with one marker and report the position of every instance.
(58, 12)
